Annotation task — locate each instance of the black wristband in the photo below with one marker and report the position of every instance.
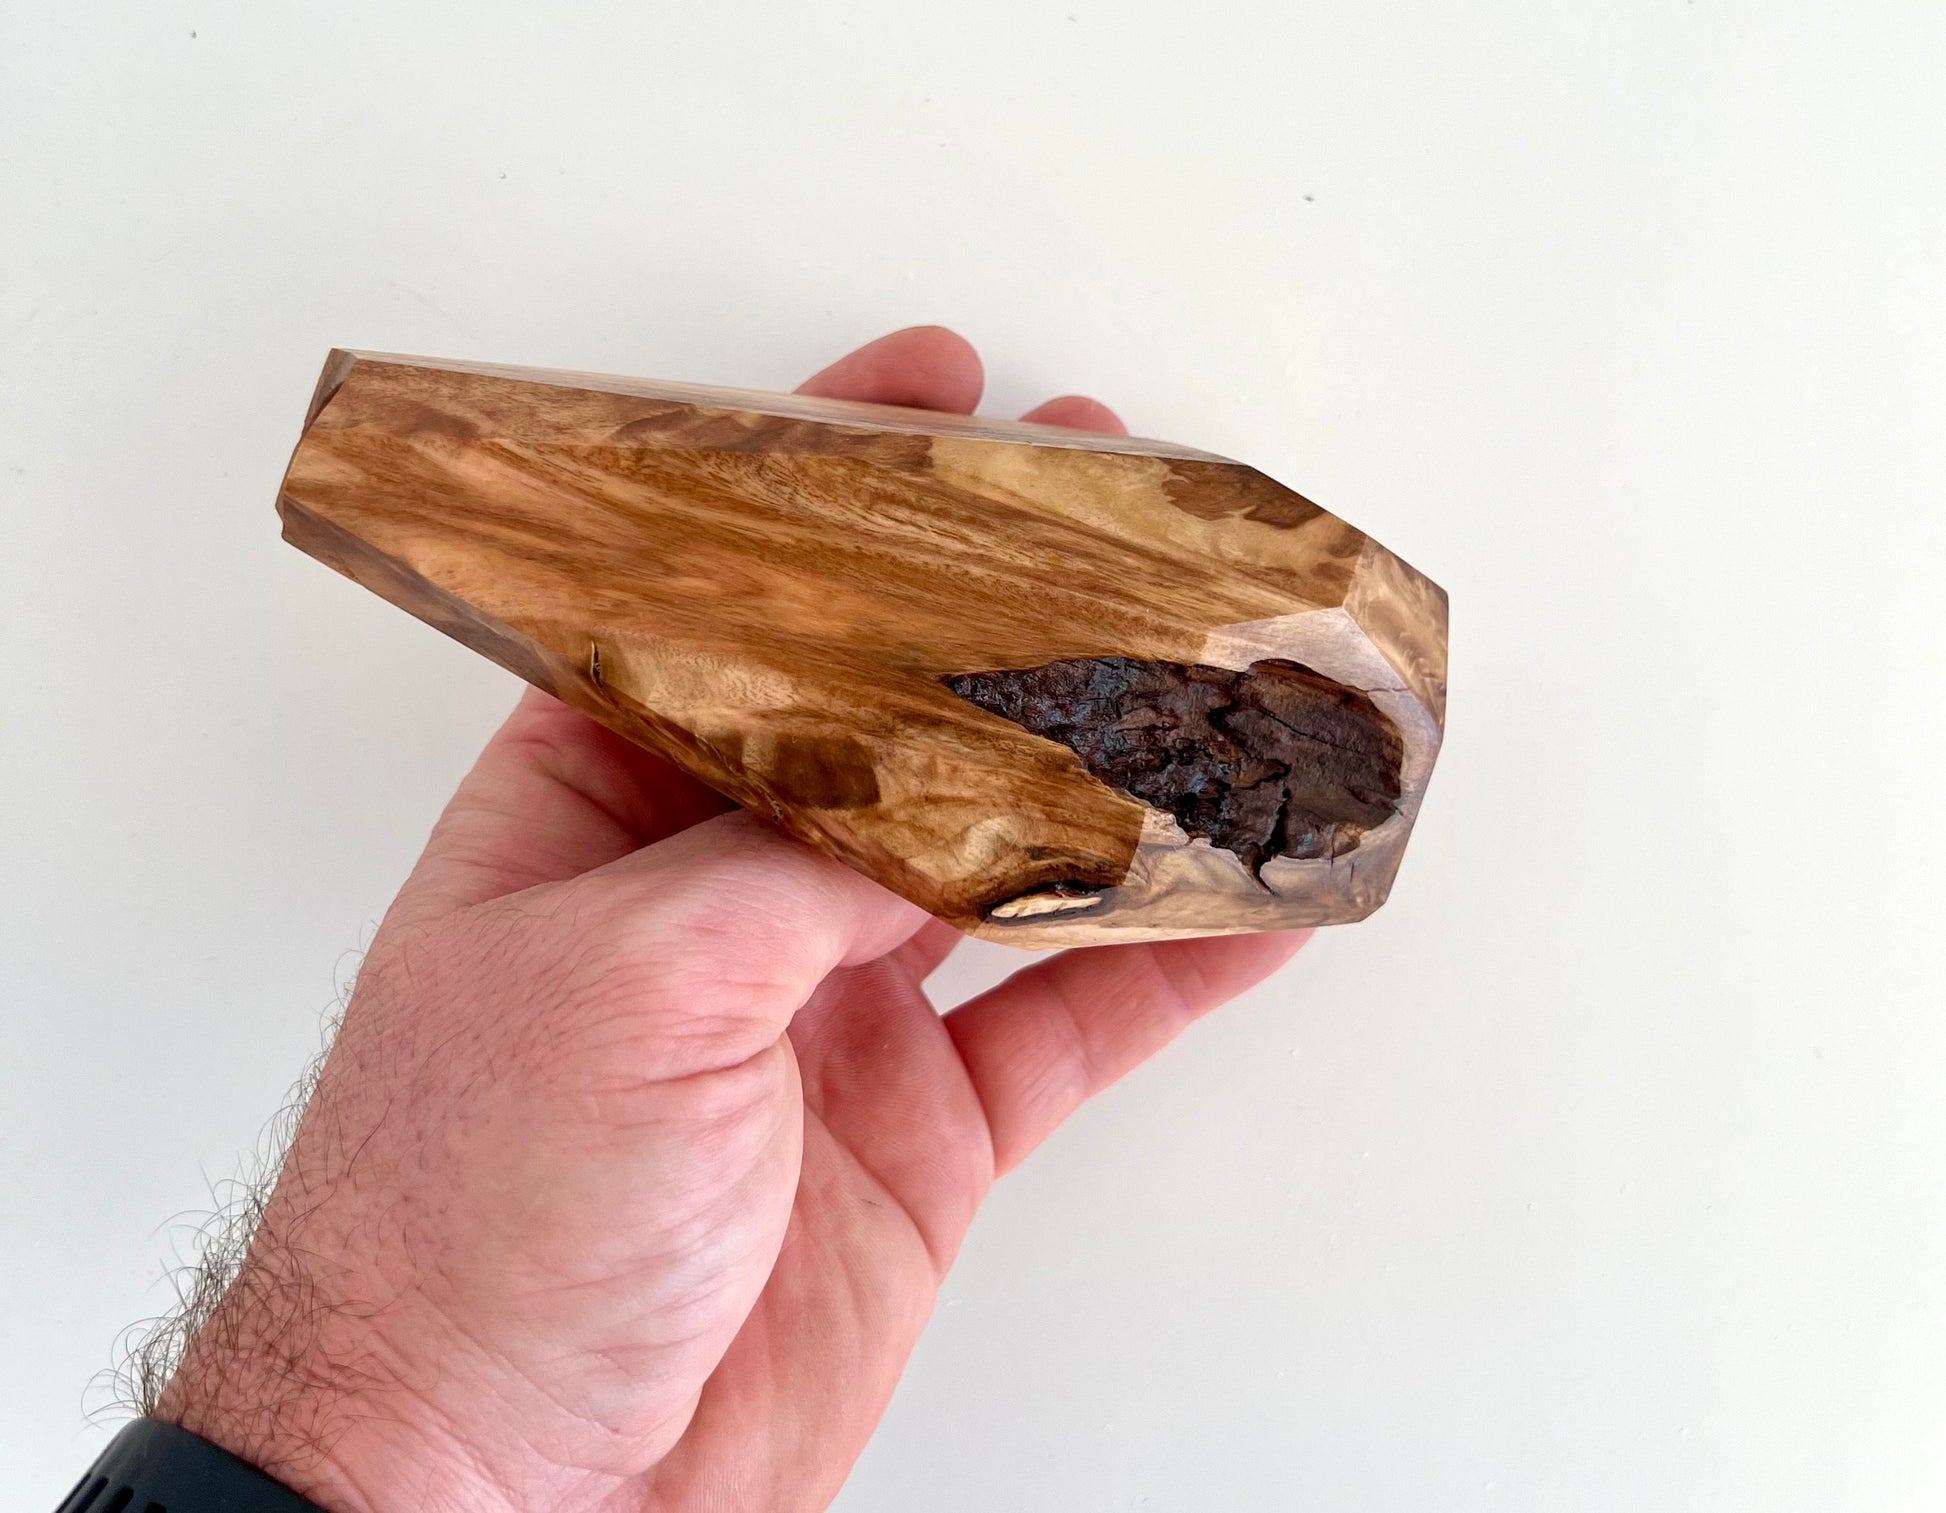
(153, 1467)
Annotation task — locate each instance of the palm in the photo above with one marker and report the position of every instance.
(896, 1158)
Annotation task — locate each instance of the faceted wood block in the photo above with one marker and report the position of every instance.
(1053, 686)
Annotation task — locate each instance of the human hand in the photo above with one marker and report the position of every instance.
(634, 1171)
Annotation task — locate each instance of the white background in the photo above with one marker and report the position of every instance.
(1604, 1169)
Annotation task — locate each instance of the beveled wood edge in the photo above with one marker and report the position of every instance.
(846, 413)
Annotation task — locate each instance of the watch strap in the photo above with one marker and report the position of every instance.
(153, 1467)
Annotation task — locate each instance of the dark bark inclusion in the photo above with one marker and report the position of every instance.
(1276, 760)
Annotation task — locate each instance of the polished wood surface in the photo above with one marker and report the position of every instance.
(1056, 687)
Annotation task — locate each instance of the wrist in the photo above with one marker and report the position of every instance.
(319, 1400)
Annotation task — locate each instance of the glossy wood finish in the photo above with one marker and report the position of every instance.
(1054, 686)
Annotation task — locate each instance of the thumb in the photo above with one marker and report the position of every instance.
(723, 931)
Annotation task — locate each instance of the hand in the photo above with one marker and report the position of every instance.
(639, 1159)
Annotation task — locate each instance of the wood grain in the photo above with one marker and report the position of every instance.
(1054, 686)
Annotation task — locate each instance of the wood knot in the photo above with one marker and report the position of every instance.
(1275, 760)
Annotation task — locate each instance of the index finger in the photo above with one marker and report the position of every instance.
(1053, 1035)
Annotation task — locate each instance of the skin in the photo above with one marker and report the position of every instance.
(632, 1176)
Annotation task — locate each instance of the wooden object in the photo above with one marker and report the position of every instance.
(1055, 687)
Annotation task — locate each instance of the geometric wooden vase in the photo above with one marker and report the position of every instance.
(1053, 686)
